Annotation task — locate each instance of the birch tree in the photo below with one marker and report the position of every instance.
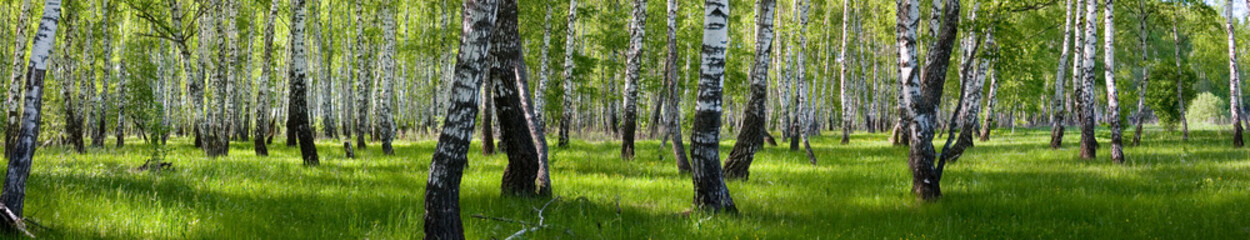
(522, 168)
(442, 191)
(924, 93)
(361, 79)
(1085, 97)
(1143, 34)
(672, 110)
(298, 81)
(1234, 81)
(633, 66)
(12, 102)
(566, 115)
(1113, 103)
(711, 194)
(847, 113)
(263, 100)
(804, 112)
(386, 121)
(751, 138)
(13, 196)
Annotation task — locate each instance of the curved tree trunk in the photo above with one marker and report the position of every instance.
(442, 191)
(518, 142)
(750, 139)
(14, 194)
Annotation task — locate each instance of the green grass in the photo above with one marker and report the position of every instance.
(1011, 187)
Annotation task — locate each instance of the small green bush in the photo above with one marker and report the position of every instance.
(1207, 108)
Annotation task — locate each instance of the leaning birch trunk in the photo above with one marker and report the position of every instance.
(672, 109)
(12, 103)
(1089, 145)
(751, 138)
(846, 97)
(1143, 32)
(299, 87)
(13, 196)
(386, 123)
(566, 115)
(442, 191)
(924, 92)
(518, 142)
(1113, 102)
(263, 100)
(633, 65)
(711, 194)
(1234, 81)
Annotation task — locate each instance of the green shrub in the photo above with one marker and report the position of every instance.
(1161, 95)
(1207, 108)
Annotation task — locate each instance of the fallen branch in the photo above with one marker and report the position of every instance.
(15, 222)
(526, 226)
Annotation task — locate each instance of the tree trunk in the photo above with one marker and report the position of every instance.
(804, 111)
(711, 194)
(1234, 81)
(442, 192)
(990, 120)
(385, 111)
(750, 139)
(1180, 86)
(1089, 145)
(1113, 102)
(672, 109)
(925, 93)
(633, 65)
(488, 110)
(566, 115)
(12, 102)
(1143, 32)
(362, 79)
(299, 87)
(846, 96)
(522, 168)
(263, 100)
(70, 100)
(1058, 103)
(328, 119)
(14, 194)
(969, 105)
(540, 99)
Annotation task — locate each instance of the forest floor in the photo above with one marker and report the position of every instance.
(1012, 187)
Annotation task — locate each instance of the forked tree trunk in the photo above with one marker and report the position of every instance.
(298, 107)
(711, 194)
(1113, 102)
(633, 65)
(518, 142)
(14, 194)
(1089, 145)
(1057, 104)
(924, 93)
(750, 139)
(442, 191)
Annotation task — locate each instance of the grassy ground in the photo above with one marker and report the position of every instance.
(1011, 187)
